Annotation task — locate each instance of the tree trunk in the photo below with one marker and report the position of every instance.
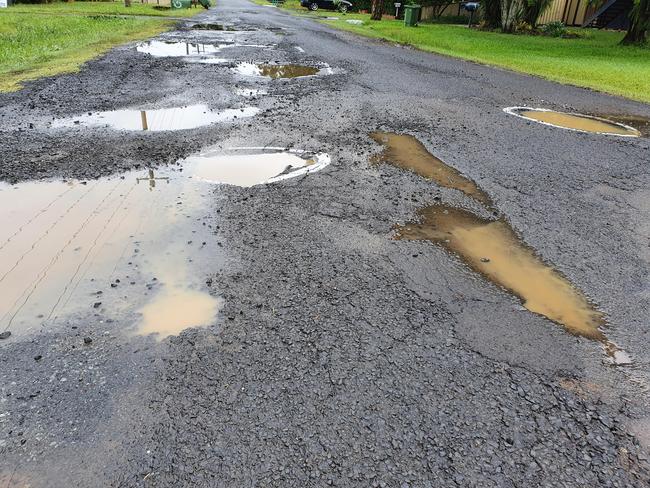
(639, 21)
(377, 9)
(127, 3)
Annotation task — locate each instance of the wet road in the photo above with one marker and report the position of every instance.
(339, 355)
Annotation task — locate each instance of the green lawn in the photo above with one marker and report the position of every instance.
(48, 39)
(593, 61)
(102, 8)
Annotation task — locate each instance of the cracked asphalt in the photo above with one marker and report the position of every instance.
(342, 357)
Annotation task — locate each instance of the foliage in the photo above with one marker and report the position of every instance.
(533, 10)
(639, 23)
(555, 29)
(491, 11)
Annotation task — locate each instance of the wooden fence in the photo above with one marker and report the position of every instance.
(569, 12)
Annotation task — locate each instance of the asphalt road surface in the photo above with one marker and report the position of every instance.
(340, 356)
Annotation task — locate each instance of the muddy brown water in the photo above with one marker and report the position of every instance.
(132, 245)
(642, 124)
(275, 71)
(579, 122)
(69, 247)
(406, 152)
(492, 249)
(176, 118)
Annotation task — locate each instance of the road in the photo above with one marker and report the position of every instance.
(340, 355)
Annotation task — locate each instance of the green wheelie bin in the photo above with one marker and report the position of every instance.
(411, 15)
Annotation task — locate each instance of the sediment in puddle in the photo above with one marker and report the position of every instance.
(492, 249)
(578, 122)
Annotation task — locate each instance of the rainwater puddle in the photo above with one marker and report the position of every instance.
(107, 247)
(132, 248)
(408, 153)
(253, 166)
(492, 249)
(176, 48)
(214, 27)
(179, 118)
(577, 122)
(190, 50)
(275, 71)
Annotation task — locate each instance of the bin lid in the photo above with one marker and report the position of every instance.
(412, 6)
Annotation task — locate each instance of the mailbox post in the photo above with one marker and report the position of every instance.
(471, 7)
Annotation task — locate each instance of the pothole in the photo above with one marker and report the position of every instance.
(275, 71)
(176, 48)
(577, 122)
(215, 27)
(191, 50)
(253, 166)
(166, 119)
(406, 152)
(491, 247)
(131, 248)
(116, 248)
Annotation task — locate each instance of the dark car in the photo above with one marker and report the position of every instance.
(341, 5)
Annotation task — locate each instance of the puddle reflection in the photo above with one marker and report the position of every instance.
(253, 166)
(137, 242)
(179, 118)
(275, 71)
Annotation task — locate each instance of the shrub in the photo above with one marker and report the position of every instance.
(555, 29)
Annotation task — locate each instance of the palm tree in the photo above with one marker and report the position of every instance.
(639, 23)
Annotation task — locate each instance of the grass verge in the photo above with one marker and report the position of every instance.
(595, 60)
(102, 8)
(44, 45)
(48, 39)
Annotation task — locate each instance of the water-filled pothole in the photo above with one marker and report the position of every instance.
(176, 48)
(491, 247)
(132, 245)
(253, 166)
(275, 71)
(577, 122)
(215, 27)
(193, 51)
(408, 153)
(177, 118)
(109, 247)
